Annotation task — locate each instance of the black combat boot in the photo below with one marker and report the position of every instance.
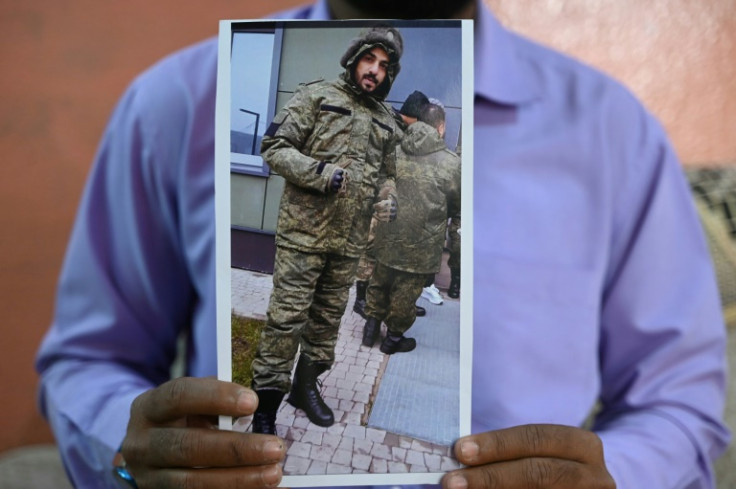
(454, 289)
(393, 344)
(359, 306)
(304, 394)
(370, 332)
(264, 419)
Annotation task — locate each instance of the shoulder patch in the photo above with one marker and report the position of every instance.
(276, 123)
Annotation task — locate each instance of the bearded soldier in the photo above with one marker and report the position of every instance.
(410, 248)
(334, 143)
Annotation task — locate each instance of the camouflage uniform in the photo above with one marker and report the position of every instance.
(321, 234)
(367, 262)
(308, 300)
(410, 248)
(453, 261)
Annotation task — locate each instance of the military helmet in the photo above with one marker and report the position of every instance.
(386, 37)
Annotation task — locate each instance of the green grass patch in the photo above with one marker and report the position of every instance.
(246, 333)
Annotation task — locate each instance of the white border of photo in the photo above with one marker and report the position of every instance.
(223, 251)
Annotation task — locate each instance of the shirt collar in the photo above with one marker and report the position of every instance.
(500, 74)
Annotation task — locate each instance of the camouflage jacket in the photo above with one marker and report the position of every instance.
(428, 180)
(327, 125)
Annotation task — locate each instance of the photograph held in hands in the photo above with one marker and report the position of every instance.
(343, 301)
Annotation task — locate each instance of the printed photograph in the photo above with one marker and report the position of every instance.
(341, 147)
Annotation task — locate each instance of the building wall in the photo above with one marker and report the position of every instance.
(66, 63)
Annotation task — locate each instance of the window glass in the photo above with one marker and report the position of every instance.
(251, 68)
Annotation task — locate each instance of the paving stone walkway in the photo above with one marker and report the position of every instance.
(349, 388)
(419, 394)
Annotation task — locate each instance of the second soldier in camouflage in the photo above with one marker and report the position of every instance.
(410, 248)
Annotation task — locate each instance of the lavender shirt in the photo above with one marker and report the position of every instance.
(592, 278)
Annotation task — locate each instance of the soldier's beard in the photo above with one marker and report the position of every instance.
(410, 9)
(373, 80)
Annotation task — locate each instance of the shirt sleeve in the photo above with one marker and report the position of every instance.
(663, 343)
(124, 294)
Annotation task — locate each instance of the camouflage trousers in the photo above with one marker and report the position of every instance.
(453, 262)
(392, 296)
(310, 292)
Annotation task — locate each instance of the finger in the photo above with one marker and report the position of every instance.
(233, 478)
(536, 440)
(187, 447)
(530, 473)
(194, 396)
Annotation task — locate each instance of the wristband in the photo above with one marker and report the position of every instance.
(120, 472)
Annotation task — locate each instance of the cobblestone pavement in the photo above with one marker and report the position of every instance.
(348, 388)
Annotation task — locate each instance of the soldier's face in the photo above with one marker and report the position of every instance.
(371, 69)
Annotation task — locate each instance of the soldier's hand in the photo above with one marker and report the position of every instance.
(172, 442)
(385, 210)
(531, 456)
(337, 180)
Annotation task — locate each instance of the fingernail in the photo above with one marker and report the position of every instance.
(271, 476)
(469, 450)
(247, 402)
(457, 482)
(273, 450)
